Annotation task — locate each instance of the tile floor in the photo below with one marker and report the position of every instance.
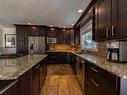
(61, 81)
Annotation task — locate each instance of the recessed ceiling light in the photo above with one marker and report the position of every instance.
(64, 26)
(34, 27)
(72, 24)
(29, 23)
(51, 25)
(80, 11)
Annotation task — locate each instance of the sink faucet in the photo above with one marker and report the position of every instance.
(84, 45)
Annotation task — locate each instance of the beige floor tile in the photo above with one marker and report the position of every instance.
(44, 91)
(63, 87)
(75, 90)
(52, 91)
(61, 81)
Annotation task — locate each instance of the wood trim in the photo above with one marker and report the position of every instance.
(91, 5)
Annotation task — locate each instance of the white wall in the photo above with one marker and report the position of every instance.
(4, 31)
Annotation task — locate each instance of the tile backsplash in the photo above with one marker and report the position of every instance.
(102, 50)
(63, 47)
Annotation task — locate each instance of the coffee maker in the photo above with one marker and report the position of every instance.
(116, 51)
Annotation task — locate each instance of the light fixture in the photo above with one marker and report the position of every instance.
(64, 26)
(51, 25)
(29, 23)
(52, 29)
(72, 24)
(80, 11)
(34, 27)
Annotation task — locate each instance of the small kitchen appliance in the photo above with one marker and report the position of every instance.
(116, 51)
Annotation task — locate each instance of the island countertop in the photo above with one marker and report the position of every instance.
(118, 69)
(11, 69)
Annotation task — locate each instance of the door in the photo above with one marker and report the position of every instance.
(122, 19)
(103, 20)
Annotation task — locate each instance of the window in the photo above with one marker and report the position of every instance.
(86, 37)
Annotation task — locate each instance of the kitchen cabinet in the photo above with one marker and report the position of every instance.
(56, 58)
(22, 33)
(99, 81)
(73, 63)
(52, 32)
(120, 31)
(25, 83)
(63, 36)
(12, 90)
(77, 35)
(22, 39)
(103, 20)
(31, 82)
(110, 20)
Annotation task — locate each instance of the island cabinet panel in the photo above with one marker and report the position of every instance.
(12, 90)
(100, 82)
(25, 83)
(32, 81)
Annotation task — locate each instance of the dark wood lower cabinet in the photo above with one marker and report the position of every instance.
(57, 58)
(101, 82)
(12, 90)
(32, 81)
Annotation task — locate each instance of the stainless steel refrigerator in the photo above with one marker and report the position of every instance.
(36, 44)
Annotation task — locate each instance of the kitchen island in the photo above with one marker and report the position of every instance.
(22, 75)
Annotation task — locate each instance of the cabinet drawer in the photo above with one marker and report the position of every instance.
(103, 81)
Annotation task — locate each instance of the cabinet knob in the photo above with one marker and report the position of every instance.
(113, 30)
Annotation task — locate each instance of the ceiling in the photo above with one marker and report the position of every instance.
(60, 13)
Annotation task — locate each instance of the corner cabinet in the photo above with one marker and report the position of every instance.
(110, 20)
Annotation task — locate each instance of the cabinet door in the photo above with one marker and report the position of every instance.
(103, 20)
(122, 19)
(11, 90)
(77, 35)
(52, 32)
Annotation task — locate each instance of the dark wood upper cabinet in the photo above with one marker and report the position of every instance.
(52, 32)
(110, 18)
(122, 18)
(64, 36)
(102, 20)
(77, 35)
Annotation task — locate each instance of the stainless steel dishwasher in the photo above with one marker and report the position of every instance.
(81, 72)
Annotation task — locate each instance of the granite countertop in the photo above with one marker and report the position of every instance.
(11, 69)
(118, 69)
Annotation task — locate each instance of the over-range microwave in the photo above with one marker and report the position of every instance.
(51, 40)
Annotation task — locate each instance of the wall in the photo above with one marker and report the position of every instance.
(4, 31)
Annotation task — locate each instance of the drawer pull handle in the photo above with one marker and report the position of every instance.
(37, 67)
(93, 69)
(107, 32)
(96, 84)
